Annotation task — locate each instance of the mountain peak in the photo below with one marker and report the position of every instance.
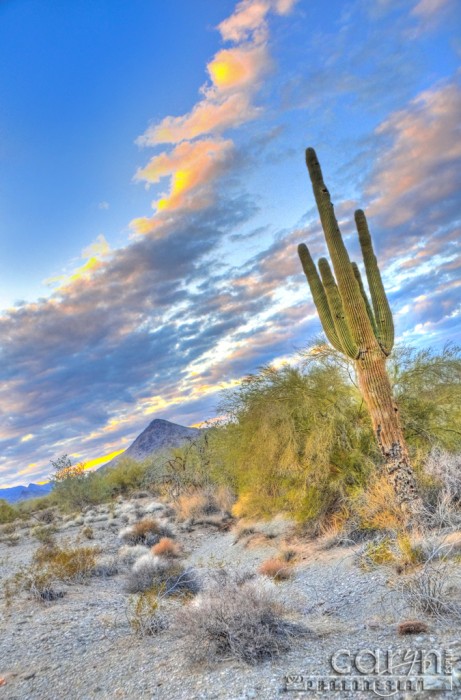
(159, 435)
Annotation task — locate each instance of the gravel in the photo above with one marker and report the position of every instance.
(81, 646)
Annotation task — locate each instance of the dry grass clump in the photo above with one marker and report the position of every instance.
(163, 575)
(276, 568)
(66, 563)
(147, 531)
(244, 622)
(39, 584)
(166, 547)
(145, 615)
(257, 532)
(46, 516)
(50, 566)
(11, 539)
(88, 532)
(412, 627)
(377, 508)
(204, 502)
(399, 551)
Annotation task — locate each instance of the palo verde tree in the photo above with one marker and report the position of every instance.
(361, 330)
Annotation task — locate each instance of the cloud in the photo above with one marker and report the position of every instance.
(249, 18)
(426, 9)
(421, 167)
(236, 74)
(191, 168)
(238, 68)
(99, 248)
(210, 116)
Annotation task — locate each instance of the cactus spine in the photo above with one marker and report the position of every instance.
(362, 331)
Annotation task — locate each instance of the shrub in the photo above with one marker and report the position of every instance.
(88, 532)
(377, 553)
(276, 569)
(45, 535)
(296, 442)
(151, 572)
(445, 469)
(230, 622)
(430, 590)
(166, 547)
(127, 475)
(128, 554)
(147, 531)
(8, 513)
(105, 566)
(45, 516)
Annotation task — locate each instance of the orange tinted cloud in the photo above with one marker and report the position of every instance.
(235, 73)
(238, 67)
(190, 167)
(206, 117)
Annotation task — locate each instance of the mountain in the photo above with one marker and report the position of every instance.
(159, 435)
(22, 493)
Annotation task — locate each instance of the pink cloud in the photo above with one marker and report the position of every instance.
(248, 17)
(422, 163)
(207, 116)
(425, 9)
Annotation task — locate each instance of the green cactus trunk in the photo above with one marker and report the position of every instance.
(363, 332)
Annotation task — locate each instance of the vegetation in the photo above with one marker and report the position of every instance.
(50, 566)
(162, 575)
(147, 531)
(276, 569)
(232, 620)
(8, 513)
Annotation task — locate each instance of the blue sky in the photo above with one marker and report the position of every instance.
(153, 192)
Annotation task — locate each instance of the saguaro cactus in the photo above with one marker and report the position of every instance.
(362, 331)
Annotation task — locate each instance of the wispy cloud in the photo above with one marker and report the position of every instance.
(227, 102)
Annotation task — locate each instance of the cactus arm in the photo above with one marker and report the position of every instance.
(382, 311)
(354, 307)
(358, 277)
(350, 348)
(319, 296)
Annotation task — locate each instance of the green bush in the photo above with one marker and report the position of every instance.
(8, 513)
(298, 440)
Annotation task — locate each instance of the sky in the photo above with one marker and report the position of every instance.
(153, 192)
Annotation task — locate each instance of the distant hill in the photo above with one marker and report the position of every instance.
(14, 494)
(159, 435)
